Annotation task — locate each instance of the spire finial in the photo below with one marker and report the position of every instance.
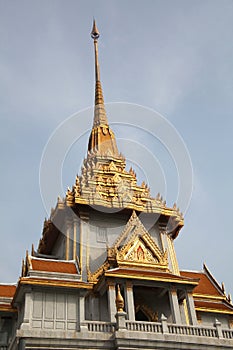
(95, 33)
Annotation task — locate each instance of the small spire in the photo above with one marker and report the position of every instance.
(100, 116)
(95, 36)
(102, 139)
(119, 300)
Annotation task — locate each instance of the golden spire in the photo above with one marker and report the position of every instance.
(100, 113)
(102, 139)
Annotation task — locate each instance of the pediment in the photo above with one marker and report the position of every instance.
(135, 246)
(138, 252)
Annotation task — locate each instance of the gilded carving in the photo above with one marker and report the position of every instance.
(151, 314)
(93, 277)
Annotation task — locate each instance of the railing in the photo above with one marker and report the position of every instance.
(98, 326)
(192, 330)
(159, 328)
(144, 326)
(227, 333)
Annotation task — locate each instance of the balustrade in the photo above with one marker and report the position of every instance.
(156, 327)
(140, 326)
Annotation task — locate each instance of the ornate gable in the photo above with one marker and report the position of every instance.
(135, 247)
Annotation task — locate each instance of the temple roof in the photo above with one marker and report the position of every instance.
(49, 268)
(7, 290)
(206, 286)
(104, 180)
(208, 295)
(47, 265)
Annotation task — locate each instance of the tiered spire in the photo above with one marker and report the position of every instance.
(102, 139)
(104, 180)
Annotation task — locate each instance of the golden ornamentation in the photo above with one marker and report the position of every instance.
(150, 314)
(119, 300)
(136, 245)
(93, 277)
(104, 180)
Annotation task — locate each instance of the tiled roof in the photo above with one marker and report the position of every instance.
(208, 295)
(7, 291)
(214, 306)
(47, 265)
(205, 285)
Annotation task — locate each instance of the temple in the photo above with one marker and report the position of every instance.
(105, 273)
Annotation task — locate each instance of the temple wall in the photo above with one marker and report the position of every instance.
(53, 310)
(103, 232)
(208, 318)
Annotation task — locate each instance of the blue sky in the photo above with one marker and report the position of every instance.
(174, 57)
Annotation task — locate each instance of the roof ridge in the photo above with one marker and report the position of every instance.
(212, 279)
(193, 271)
(53, 260)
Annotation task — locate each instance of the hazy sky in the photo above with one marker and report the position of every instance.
(171, 56)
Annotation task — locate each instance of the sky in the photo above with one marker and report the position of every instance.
(173, 57)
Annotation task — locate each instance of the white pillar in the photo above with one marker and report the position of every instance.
(174, 306)
(75, 225)
(129, 301)
(84, 244)
(83, 327)
(94, 308)
(191, 309)
(28, 306)
(112, 302)
(68, 238)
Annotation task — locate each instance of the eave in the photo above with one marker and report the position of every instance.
(24, 281)
(150, 276)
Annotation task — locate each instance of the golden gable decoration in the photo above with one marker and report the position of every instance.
(133, 248)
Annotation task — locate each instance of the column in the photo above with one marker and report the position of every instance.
(84, 244)
(82, 294)
(184, 312)
(28, 305)
(95, 308)
(129, 301)
(191, 309)
(75, 224)
(68, 237)
(174, 306)
(111, 302)
(172, 256)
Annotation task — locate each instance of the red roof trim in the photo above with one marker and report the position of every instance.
(48, 265)
(7, 290)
